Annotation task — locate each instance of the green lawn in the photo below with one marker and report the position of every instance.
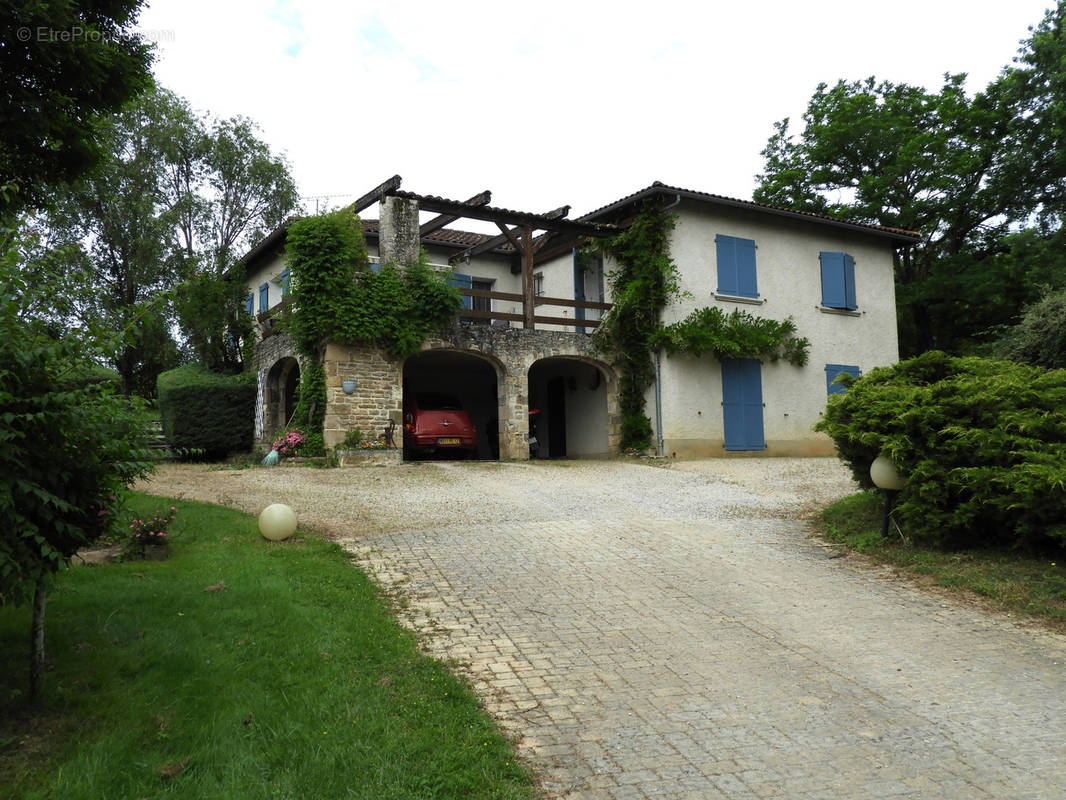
(294, 681)
(1009, 580)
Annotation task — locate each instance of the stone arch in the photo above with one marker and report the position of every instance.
(281, 382)
(471, 375)
(576, 400)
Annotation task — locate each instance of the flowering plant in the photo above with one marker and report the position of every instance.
(287, 443)
(151, 531)
(375, 445)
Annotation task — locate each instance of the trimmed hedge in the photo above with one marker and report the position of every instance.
(982, 444)
(207, 412)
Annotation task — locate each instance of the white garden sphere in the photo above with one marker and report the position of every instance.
(885, 475)
(277, 522)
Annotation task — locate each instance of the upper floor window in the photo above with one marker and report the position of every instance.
(736, 266)
(838, 281)
(264, 297)
(286, 278)
(249, 304)
(538, 284)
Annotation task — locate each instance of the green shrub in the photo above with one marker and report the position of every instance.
(208, 412)
(352, 439)
(981, 442)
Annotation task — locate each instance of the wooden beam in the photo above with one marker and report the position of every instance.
(577, 323)
(511, 296)
(442, 205)
(507, 235)
(375, 194)
(559, 301)
(447, 219)
(472, 314)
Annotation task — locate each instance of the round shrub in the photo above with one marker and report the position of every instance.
(981, 442)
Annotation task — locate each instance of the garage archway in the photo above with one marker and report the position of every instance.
(569, 397)
(471, 380)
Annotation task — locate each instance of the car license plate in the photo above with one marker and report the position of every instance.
(450, 440)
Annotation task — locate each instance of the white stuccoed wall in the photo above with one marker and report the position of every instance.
(789, 282)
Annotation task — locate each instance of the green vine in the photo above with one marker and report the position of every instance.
(734, 335)
(336, 296)
(645, 280)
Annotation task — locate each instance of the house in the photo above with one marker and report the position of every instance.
(523, 340)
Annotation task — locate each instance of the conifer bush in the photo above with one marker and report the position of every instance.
(981, 442)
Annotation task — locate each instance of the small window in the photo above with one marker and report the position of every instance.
(838, 281)
(264, 297)
(249, 303)
(832, 386)
(285, 277)
(538, 284)
(736, 266)
(461, 281)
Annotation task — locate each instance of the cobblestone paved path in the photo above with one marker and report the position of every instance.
(674, 633)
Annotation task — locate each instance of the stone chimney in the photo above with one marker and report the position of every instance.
(398, 239)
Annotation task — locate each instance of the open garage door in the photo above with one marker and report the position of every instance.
(569, 397)
(448, 383)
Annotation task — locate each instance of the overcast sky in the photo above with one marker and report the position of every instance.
(552, 103)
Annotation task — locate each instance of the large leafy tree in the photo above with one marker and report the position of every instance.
(980, 177)
(177, 196)
(64, 68)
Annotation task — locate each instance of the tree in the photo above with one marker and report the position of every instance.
(70, 446)
(63, 70)
(1040, 337)
(177, 196)
(978, 177)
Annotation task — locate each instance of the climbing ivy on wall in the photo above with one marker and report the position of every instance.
(337, 297)
(645, 280)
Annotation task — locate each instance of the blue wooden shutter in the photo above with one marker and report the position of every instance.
(264, 297)
(726, 250)
(249, 304)
(375, 267)
(849, 283)
(838, 280)
(285, 281)
(736, 266)
(742, 411)
(831, 372)
(462, 282)
(747, 285)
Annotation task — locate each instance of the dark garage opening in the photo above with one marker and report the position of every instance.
(570, 400)
(471, 379)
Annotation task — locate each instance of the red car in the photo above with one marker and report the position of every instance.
(436, 424)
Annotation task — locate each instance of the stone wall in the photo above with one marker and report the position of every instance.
(378, 395)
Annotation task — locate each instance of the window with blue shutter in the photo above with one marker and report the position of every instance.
(462, 282)
(736, 266)
(375, 267)
(831, 373)
(249, 304)
(285, 282)
(264, 297)
(742, 411)
(838, 281)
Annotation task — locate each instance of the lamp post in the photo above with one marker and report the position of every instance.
(886, 478)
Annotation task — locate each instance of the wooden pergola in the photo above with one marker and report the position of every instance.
(532, 239)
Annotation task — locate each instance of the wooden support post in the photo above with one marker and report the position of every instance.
(528, 303)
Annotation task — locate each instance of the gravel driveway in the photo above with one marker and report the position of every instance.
(650, 632)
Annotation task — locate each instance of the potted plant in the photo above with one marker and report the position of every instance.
(148, 537)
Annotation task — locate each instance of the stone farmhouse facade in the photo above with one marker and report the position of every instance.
(524, 341)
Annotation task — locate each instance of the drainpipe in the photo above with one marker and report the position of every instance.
(658, 409)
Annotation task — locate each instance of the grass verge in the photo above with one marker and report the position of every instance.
(1008, 580)
(293, 681)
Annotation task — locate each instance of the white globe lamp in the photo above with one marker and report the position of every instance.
(277, 522)
(885, 475)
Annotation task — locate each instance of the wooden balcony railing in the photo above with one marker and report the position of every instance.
(512, 297)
